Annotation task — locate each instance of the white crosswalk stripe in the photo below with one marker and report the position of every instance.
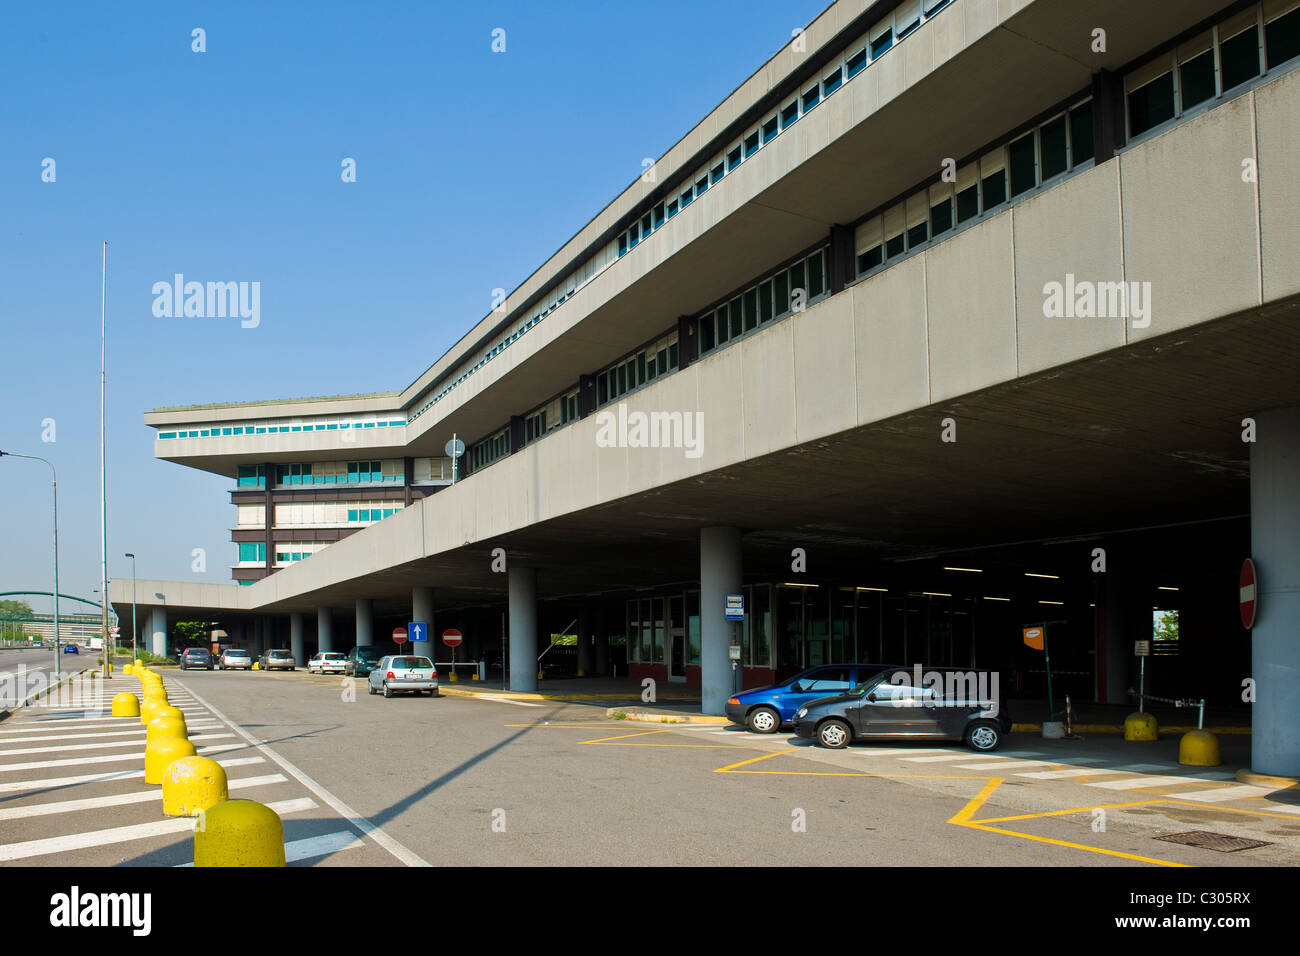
(1243, 792)
(1066, 774)
(965, 755)
(138, 732)
(139, 831)
(1134, 783)
(106, 745)
(107, 758)
(122, 799)
(52, 783)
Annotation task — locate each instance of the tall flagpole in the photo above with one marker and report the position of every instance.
(103, 500)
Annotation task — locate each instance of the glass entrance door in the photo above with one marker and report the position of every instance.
(676, 640)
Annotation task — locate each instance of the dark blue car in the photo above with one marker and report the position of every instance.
(70, 649)
(765, 709)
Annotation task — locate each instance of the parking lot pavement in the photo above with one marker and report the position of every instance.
(1073, 792)
(72, 790)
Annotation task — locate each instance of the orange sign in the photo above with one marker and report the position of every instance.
(1034, 637)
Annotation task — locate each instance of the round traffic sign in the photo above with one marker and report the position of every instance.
(1248, 584)
(399, 635)
(454, 448)
(452, 637)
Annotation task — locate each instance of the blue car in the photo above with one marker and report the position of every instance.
(70, 649)
(765, 710)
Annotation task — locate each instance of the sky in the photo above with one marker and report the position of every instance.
(472, 168)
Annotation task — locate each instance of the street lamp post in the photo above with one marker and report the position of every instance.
(134, 629)
(54, 475)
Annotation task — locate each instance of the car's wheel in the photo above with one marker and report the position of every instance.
(834, 734)
(764, 720)
(388, 691)
(371, 688)
(983, 735)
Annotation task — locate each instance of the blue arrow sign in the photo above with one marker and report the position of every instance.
(416, 631)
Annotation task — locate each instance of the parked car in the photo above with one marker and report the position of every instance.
(330, 662)
(891, 705)
(195, 657)
(399, 673)
(360, 661)
(70, 649)
(277, 659)
(765, 710)
(235, 658)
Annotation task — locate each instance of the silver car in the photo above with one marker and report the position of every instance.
(400, 673)
(327, 661)
(278, 659)
(235, 658)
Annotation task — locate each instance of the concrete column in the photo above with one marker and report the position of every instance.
(1275, 652)
(523, 628)
(324, 629)
(584, 642)
(422, 610)
(602, 644)
(295, 639)
(721, 573)
(365, 622)
(158, 631)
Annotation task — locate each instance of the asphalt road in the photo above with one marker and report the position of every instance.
(361, 780)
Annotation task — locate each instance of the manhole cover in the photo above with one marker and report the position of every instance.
(1213, 841)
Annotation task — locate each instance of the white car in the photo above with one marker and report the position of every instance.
(401, 673)
(326, 662)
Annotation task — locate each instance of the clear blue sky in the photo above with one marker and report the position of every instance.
(472, 168)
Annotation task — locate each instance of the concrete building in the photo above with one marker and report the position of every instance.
(956, 317)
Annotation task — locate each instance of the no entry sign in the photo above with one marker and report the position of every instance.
(399, 635)
(1248, 584)
(452, 637)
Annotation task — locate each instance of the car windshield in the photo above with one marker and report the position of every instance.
(331, 657)
(368, 654)
(410, 662)
(236, 653)
(195, 652)
(283, 652)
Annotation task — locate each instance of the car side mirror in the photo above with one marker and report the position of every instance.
(872, 697)
(798, 688)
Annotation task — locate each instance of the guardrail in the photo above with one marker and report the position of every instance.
(1177, 702)
(480, 667)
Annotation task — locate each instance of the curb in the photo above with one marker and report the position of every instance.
(1268, 780)
(521, 695)
(1115, 729)
(666, 718)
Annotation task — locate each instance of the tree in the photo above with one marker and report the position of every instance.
(189, 633)
(1166, 626)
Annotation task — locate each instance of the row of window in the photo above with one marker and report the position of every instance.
(287, 552)
(323, 473)
(633, 371)
(252, 552)
(1235, 51)
(490, 449)
(373, 513)
(882, 37)
(225, 431)
(325, 514)
(789, 290)
(875, 43)
(1051, 149)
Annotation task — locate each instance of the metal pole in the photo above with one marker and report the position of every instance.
(134, 628)
(1142, 683)
(103, 500)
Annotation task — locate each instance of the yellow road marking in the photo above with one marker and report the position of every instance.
(742, 763)
(644, 733)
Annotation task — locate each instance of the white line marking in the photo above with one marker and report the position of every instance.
(955, 756)
(892, 751)
(138, 831)
(407, 856)
(506, 700)
(119, 799)
(1226, 793)
(107, 758)
(1133, 783)
(140, 732)
(1066, 774)
(53, 783)
(99, 746)
(1003, 764)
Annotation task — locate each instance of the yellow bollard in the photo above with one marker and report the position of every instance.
(1141, 726)
(192, 785)
(1199, 748)
(126, 705)
(126, 669)
(452, 677)
(161, 727)
(167, 710)
(146, 710)
(160, 752)
(136, 664)
(239, 833)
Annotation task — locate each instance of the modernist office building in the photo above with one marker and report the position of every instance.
(956, 317)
